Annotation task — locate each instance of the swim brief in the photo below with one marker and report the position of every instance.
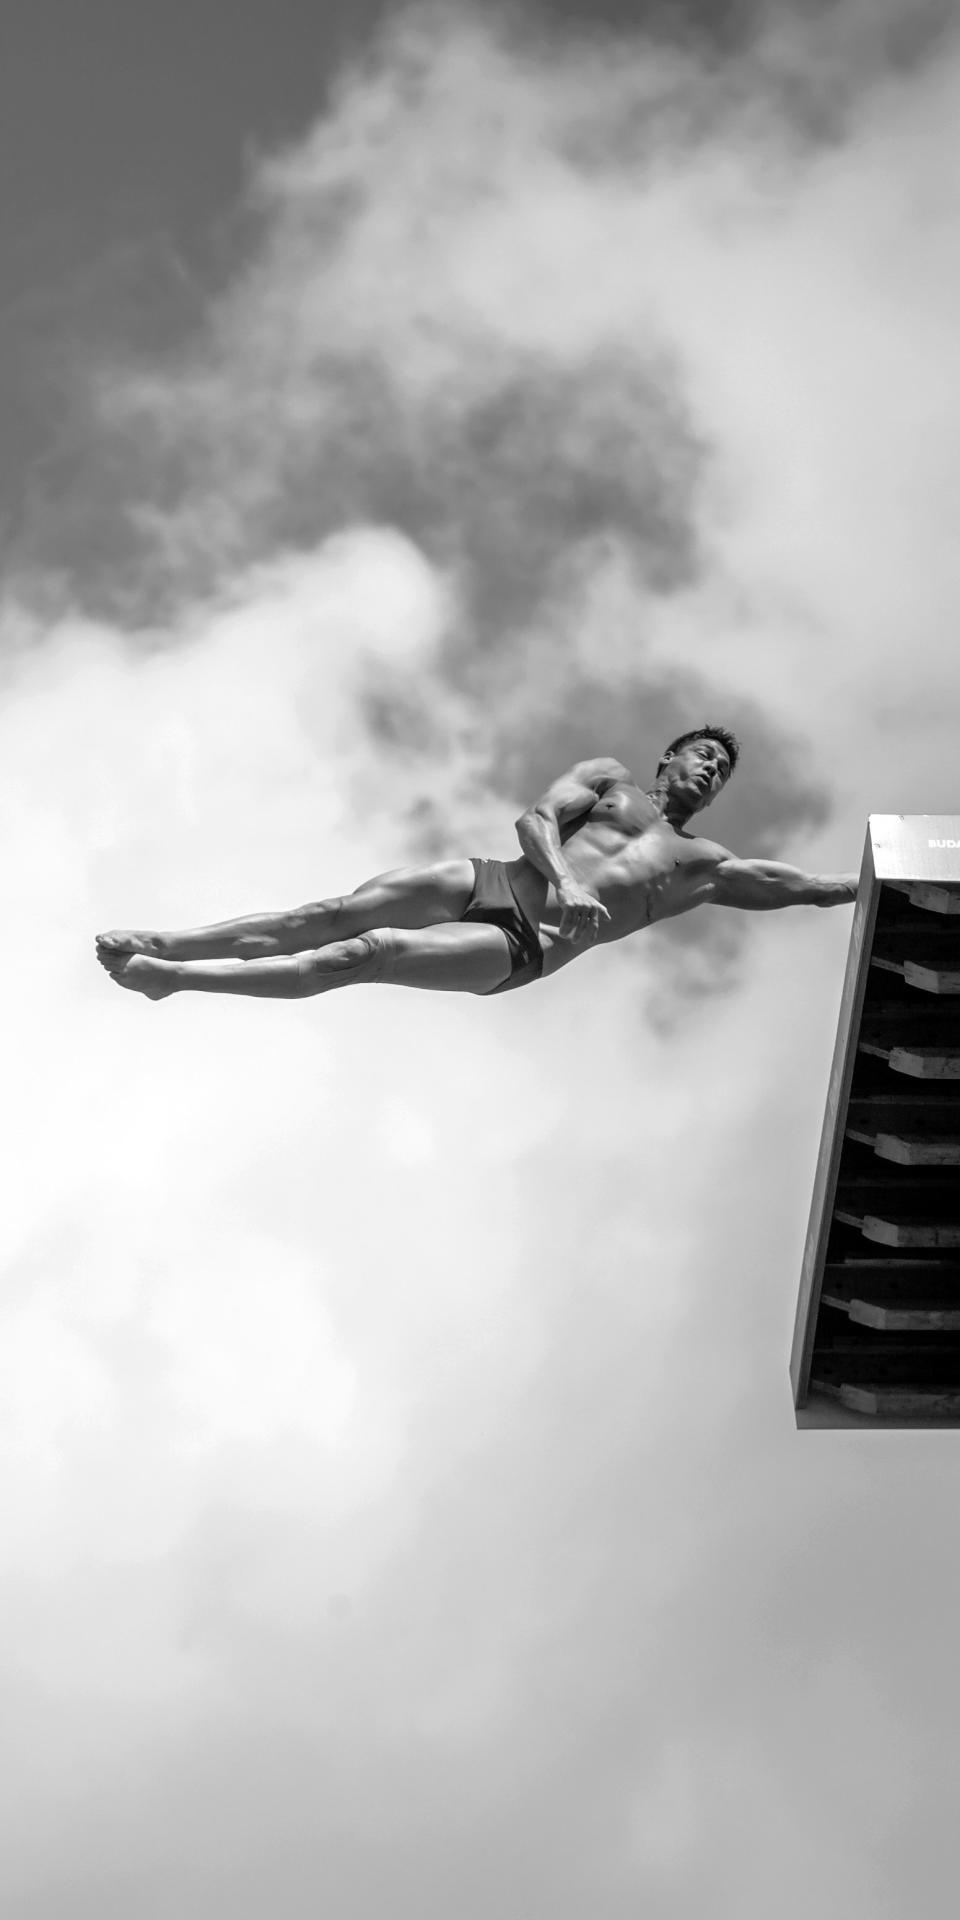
(494, 902)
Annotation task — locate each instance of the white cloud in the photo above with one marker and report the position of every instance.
(396, 1447)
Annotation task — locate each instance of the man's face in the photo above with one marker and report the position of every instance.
(698, 772)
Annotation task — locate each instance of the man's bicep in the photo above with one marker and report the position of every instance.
(759, 884)
(577, 791)
(734, 882)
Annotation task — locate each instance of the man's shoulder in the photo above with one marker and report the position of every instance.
(605, 766)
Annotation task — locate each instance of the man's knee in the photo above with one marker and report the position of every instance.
(367, 958)
(380, 949)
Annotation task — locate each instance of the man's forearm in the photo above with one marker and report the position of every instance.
(793, 888)
(763, 884)
(834, 889)
(540, 844)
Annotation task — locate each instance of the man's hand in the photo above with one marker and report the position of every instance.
(581, 913)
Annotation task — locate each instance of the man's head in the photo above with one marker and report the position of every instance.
(696, 766)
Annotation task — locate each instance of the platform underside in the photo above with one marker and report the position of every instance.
(877, 1341)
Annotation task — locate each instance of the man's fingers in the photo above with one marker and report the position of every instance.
(582, 919)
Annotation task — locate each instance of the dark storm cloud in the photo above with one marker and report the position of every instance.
(733, 24)
(104, 198)
(799, 66)
(879, 36)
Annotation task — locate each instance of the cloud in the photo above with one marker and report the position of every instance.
(396, 1454)
(451, 325)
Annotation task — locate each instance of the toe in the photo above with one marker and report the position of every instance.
(115, 948)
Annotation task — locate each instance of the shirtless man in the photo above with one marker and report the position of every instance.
(600, 859)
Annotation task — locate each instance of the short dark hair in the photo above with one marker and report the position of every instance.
(726, 738)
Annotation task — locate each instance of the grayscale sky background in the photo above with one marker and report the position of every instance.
(403, 1513)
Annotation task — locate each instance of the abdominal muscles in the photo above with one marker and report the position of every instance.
(644, 881)
(639, 878)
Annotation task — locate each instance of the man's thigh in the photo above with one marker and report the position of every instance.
(416, 896)
(558, 953)
(450, 959)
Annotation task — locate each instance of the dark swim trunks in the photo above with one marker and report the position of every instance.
(494, 902)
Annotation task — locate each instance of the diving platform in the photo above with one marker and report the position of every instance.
(877, 1335)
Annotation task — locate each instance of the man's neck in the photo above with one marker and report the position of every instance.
(672, 811)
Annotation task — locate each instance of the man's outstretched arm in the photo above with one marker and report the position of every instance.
(763, 884)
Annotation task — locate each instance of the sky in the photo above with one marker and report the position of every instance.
(403, 1506)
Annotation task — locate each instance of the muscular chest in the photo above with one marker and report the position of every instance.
(645, 862)
(627, 810)
(641, 866)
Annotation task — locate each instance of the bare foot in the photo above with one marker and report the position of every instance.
(115, 949)
(155, 978)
